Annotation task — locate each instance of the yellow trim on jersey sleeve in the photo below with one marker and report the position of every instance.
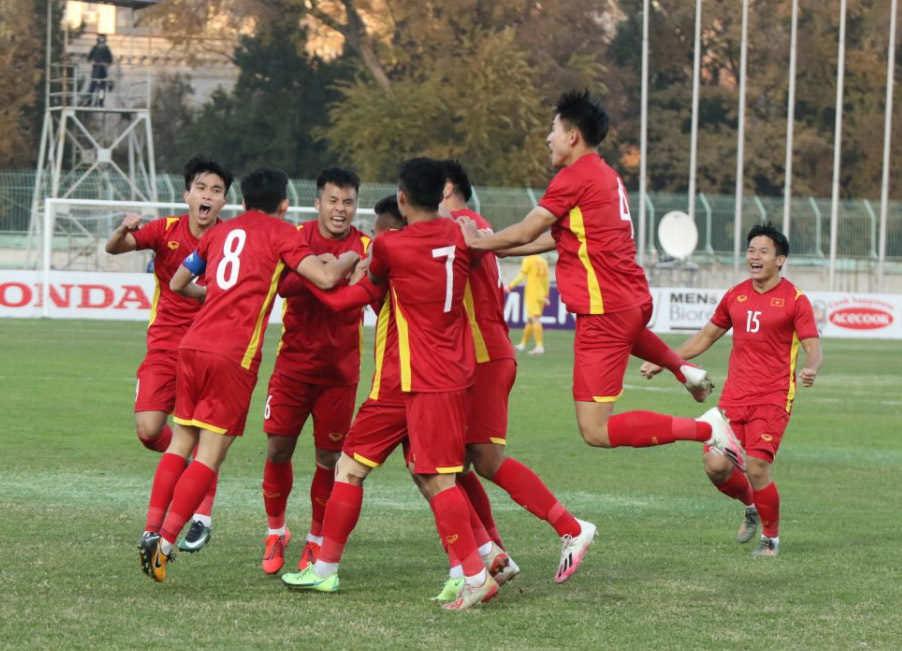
(449, 470)
(596, 304)
(366, 243)
(497, 441)
(202, 425)
(170, 221)
(403, 343)
(482, 353)
(365, 461)
(379, 352)
(156, 299)
(254, 344)
(793, 357)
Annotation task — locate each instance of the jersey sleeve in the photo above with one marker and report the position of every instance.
(560, 196)
(379, 262)
(721, 317)
(148, 236)
(291, 284)
(291, 245)
(803, 319)
(350, 297)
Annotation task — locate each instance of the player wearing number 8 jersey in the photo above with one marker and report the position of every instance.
(770, 319)
(242, 261)
(587, 210)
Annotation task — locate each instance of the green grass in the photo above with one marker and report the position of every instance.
(665, 572)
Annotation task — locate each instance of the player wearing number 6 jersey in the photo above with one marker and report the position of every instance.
(241, 261)
(770, 319)
(587, 210)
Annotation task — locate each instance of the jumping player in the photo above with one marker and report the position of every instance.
(242, 261)
(316, 371)
(587, 209)
(171, 239)
(770, 318)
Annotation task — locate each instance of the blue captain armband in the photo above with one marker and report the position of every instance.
(195, 264)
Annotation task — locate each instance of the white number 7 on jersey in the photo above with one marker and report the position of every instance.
(448, 253)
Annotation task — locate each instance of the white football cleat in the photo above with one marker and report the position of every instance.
(573, 549)
(697, 382)
(500, 565)
(538, 350)
(722, 438)
(520, 348)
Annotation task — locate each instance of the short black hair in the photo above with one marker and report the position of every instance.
(457, 176)
(423, 181)
(338, 177)
(389, 206)
(579, 109)
(202, 165)
(264, 189)
(781, 243)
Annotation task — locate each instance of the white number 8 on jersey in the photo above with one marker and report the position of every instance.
(230, 265)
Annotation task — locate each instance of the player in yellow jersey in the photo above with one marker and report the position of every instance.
(535, 297)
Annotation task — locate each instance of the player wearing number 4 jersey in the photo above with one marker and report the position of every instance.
(171, 239)
(770, 319)
(587, 210)
(241, 261)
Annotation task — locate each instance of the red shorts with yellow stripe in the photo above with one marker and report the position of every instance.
(290, 402)
(487, 410)
(212, 393)
(377, 430)
(601, 352)
(155, 390)
(437, 424)
(759, 429)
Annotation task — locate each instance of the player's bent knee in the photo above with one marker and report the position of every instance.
(351, 471)
(758, 473)
(717, 467)
(597, 437)
(327, 458)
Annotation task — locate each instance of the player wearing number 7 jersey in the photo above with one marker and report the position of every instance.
(587, 210)
(219, 356)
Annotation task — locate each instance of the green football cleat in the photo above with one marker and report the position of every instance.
(449, 590)
(198, 535)
(310, 580)
(749, 527)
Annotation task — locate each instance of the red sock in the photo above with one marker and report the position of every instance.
(453, 522)
(206, 507)
(479, 500)
(737, 487)
(189, 493)
(642, 429)
(320, 489)
(169, 469)
(651, 348)
(767, 501)
(278, 479)
(161, 442)
(480, 535)
(530, 492)
(341, 517)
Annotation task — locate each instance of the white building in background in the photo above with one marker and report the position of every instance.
(140, 52)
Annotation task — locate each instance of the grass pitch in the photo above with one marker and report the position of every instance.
(664, 573)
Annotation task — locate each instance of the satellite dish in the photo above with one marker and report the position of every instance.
(678, 234)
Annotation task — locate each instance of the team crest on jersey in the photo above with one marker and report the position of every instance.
(336, 436)
(172, 244)
(777, 302)
(742, 299)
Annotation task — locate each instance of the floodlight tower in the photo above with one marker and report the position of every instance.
(92, 132)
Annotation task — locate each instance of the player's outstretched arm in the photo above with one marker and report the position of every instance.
(814, 357)
(182, 282)
(326, 275)
(528, 230)
(542, 244)
(692, 347)
(122, 240)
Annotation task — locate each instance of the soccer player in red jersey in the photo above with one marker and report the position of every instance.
(316, 372)
(587, 209)
(496, 369)
(770, 319)
(171, 239)
(242, 261)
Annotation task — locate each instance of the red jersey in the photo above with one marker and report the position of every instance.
(484, 301)
(386, 386)
(767, 329)
(171, 241)
(244, 258)
(318, 345)
(596, 271)
(428, 264)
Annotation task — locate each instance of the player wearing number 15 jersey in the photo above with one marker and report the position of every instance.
(242, 261)
(587, 209)
(770, 319)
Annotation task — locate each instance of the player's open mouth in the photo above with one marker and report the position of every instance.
(204, 209)
(756, 267)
